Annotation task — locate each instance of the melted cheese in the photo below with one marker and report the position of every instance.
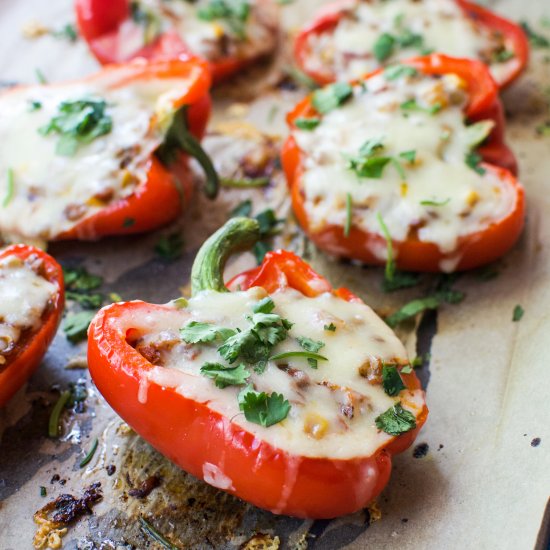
(24, 295)
(468, 201)
(348, 51)
(316, 425)
(212, 40)
(51, 192)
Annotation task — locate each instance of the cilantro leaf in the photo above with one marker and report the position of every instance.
(391, 380)
(78, 122)
(349, 215)
(412, 105)
(399, 71)
(330, 97)
(433, 202)
(224, 376)
(396, 420)
(261, 408)
(243, 343)
(409, 156)
(518, 313)
(331, 327)
(383, 47)
(234, 13)
(265, 305)
(473, 160)
(79, 279)
(305, 354)
(400, 280)
(170, 247)
(307, 123)
(76, 325)
(536, 40)
(411, 309)
(87, 301)
(196, 332)
(369, 167)
(477, 133)
(310, 345)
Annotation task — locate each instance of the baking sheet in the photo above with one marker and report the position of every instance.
(482, 483)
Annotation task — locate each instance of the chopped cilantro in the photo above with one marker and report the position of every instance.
(80, 280)
(330, 97)
(503, 55)
(536, 40)
(409, 156)
(76, 325)
(265, 305)
(412, 309)
(87, 301)
(43, 491)
(391, 381)
(67, 32)
(396, 420)
(310, 356)
(383, 47)
(390, 262)
(40, 76)
(224, 376)
(349, 215)
(170, 247)
(307, 123)
(518, 313)
(196, 332)
(412, 105)
(473, 160)
(477, 133)
(234, 13)
(433, 202)
(78, 122)
(310, 345)
(407, 369)
(128, 222)
(399, 71)
(244, 183)
(261, 408)
(10, 187)
(34, 105)
(330, 328)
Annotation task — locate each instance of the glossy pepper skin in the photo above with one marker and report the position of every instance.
(168, 188)
(99, 23)
(330, 15)
(412, 254)
(30, 350)
(192, 435)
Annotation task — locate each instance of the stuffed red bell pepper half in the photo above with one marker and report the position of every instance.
(349, 38)
(285, 392)
(105, 155)
(411, 156)
(31, 305)
(229, 34)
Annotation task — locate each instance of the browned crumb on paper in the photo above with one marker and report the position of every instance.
(262, 541)
(34, 29)
(375, 514)
(53, 518)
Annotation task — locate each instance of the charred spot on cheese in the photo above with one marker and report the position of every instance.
(380, 32)
(416, 168)
(25, 296)
(88, 146)
(329, 410)
(212, 29)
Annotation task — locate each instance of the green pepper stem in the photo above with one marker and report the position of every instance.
(237, 234)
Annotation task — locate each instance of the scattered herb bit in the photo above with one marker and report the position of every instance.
(330, 97)
(349, 215)
(40, 76)
(305, 354)
(389, 271)
(310, 345)
(90, 454)
(170, 247)
(477, 133)
(409, 156)
(196, 332)
(261, 408)
(407, 369)
(87, 301)
(396, 420)
(265, 305)
(307, 123)
(34, 105)
(383, 47)
(179, 139)
(242, 209)
(79, 279)
(179, 303)
(224, 376)
(536, 40)
(244, 183)
(146, 527)
(128, 222)
(53, 424)
(543, 129)
(301, 78)
(412, 309)
(487, 273)
(444, 291)
(234, 13)
(399, 71)
(473, 160)
(419, 361)
(435, 202)
(67, 32)
(76, 325)
(10, 187)
(78, 122)
(503, 55)
(272, 113)
(412, 105)
(391, 380)
(115, 297)
(518, 313)
(43, 491)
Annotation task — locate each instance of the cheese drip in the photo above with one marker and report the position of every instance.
(333, 407)
(439, 25)
(24, 296)
(440, 196)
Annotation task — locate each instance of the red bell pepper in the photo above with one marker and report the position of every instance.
(329, 17)
(191, 434)
(168, 185)
(30, 349)
(99, 23)
(412, 254)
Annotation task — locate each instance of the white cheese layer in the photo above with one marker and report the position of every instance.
(50, 193)
(348, 51)
(440, 197)
(214, 39)
(333, 407)
(24, 296)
